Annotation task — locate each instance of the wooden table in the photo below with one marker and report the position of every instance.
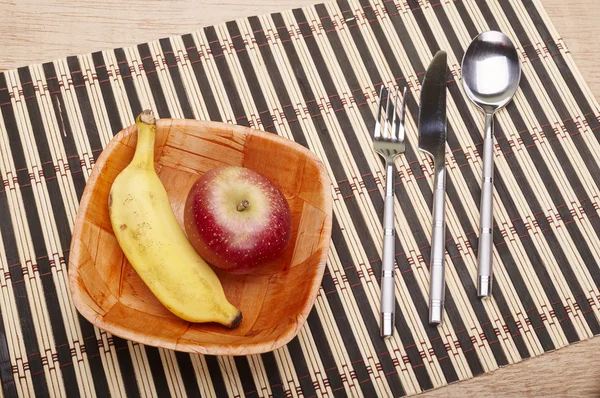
(32, 31)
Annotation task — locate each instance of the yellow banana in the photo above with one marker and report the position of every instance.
(155, 244)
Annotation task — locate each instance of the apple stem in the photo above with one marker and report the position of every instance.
(243, 206)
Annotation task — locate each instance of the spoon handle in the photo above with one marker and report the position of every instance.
(484, 258)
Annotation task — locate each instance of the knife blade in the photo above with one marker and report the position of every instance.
(432, 112)
(432, 140)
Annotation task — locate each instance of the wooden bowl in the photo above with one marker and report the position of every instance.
(275, 301)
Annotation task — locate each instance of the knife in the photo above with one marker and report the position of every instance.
(432, 140)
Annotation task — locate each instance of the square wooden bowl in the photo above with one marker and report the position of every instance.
(275, 301)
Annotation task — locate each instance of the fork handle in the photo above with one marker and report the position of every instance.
(484, 252)
(437, 285)
(389, 249)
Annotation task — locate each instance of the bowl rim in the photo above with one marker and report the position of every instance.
(77, 245)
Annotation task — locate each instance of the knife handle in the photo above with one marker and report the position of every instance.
(484, 253)
(387, 267)
(437, 286)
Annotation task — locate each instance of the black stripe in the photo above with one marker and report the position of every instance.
(466, 19)
(10, 246)
(382, 42)
(525, 236)
(176, 78)
(324, 349)
(126, 366)
(87, 115)
(424, 27)
(158, 95)
(158, 371)
(226, 77)
(125, 72)
(487, 15)
(273, 374)
(108, 96)
(7, 380)
(188, 374)
(304, 376)
(586, 108)
(73, 160)
(245, 374)
(92, 349)
(215, 375)
(448, 29)
(6, 375)
(201, 78)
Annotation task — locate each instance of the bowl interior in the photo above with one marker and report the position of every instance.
(275, 300)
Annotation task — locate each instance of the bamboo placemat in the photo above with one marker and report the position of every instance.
(313, 75)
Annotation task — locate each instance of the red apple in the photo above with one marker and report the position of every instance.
(237, 219)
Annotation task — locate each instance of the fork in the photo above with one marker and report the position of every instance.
(388, 143)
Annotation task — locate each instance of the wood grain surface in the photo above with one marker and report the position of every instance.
(33, 31)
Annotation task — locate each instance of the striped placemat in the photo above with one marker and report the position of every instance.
(313, 75)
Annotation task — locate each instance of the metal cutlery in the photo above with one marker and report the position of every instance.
(432, 140)
(490, 75)
(388, 142)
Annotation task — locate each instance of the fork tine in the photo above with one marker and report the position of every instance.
(402, 117)
(387, 115)
(377, 131)
(395, 124)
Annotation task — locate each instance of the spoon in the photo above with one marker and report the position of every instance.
(491, 71)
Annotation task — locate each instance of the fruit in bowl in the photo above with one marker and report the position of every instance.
(275, 300)
(154, 243)
(237, 219)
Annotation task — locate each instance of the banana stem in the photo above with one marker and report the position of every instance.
(144, 151)
(243, 205)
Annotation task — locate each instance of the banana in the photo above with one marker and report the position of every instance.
(155, 244)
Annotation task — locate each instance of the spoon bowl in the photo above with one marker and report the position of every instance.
(491, 71)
